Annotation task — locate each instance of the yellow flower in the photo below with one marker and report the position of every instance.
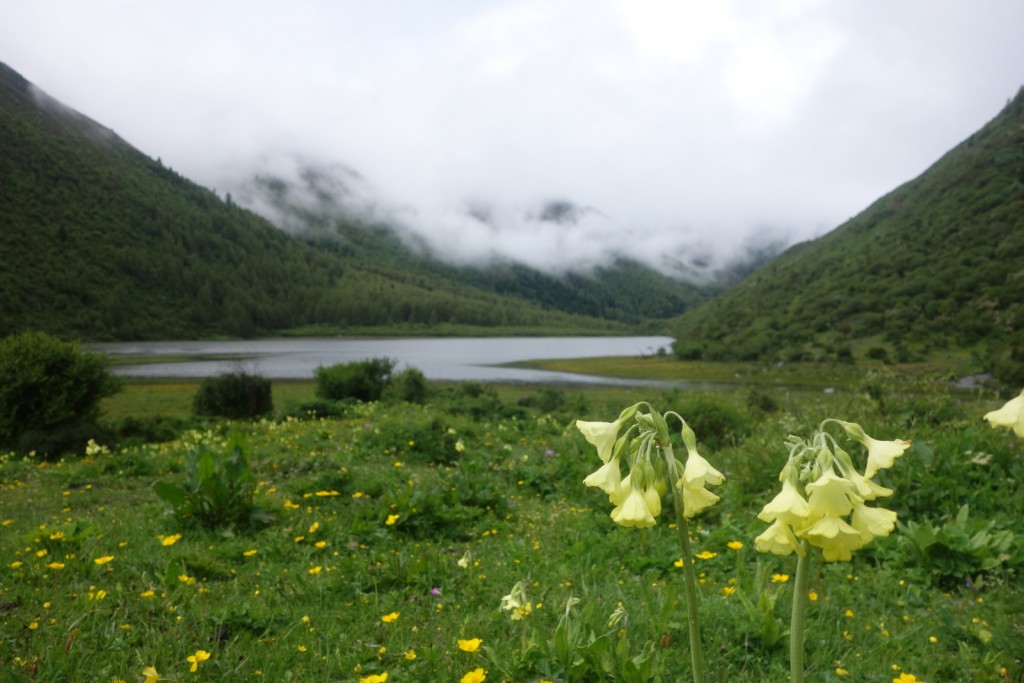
(313, 527)
(477, 675)
(315, 570)
(881, 454)
(199, 656)
(608, 477)
(842, 672)
(1010, 416)
(907, 678)
(604, 434)
(779, 539)
(697, 472)
(55, 565)
(250, 552)
(705, 555)
(780, 578)
(734, 545)
(633, 511)
(872, 522)
(516, 602)
(471, 645)
(836, 538)
(104, 559)
(831, 495)
(410, 655)
(788, 506)
(170, 540)
(390, 521)
(388, 618)
(147, 594)
(375, 678)
(150, 674)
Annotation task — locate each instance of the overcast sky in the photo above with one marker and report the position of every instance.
(690, 127)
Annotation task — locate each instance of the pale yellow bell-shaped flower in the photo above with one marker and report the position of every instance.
(633, 510)
(872, 522)
(788, 506)
(696, 499)
(836, 538)
(516, 603)
(881, 454)
(1010, 416)
(831, 495)
(608, 477)
(653, 499)
(602, 435)
(867, 489)
(778, 539)
(698, 471)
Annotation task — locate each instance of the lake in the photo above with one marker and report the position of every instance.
(457, 359)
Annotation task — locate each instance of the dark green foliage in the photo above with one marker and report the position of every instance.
(235, 395)
(219, 488)
(363, 380)
(409, 385)
(49, 393)
(938, 261)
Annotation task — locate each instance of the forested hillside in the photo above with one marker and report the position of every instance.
(938, 262)
(99, 241)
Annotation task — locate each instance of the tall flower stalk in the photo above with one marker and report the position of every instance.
(823, 505)
(641, 442)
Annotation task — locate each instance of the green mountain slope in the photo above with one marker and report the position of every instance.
(99, 241)
(937, 262)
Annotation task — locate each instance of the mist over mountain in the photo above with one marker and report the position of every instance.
(556, 236)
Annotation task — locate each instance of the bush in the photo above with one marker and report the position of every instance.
(409, 385)
(364, 380)
(50, 392)
(235, 395)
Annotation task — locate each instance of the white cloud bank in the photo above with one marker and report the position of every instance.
(686, 125)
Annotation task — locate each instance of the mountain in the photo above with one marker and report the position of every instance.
(936, 262)
(99, 241)
(317, 204)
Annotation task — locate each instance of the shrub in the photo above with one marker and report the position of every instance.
(364, 380)
(234, 395)
(49, 393)
(409, 385)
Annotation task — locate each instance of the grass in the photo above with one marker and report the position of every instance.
(432, 513)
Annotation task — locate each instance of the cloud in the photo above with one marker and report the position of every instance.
(687, 127)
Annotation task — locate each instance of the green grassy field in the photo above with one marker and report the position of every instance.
(387, 536)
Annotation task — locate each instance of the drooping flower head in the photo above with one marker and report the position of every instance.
(516, 603)
(1010, 415)
(823, 497)
(645, 449)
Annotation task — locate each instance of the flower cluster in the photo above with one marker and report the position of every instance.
(515, 603)
(645, 447)
(1010, 415)
(823, 497)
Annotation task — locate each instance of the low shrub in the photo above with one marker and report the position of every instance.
(234, 395)
(364, 380)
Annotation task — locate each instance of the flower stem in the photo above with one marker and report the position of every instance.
(689, 578)
(796, 625)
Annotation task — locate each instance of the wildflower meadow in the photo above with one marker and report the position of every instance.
(480, 537)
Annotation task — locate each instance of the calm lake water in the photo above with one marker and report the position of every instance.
(461, 359)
